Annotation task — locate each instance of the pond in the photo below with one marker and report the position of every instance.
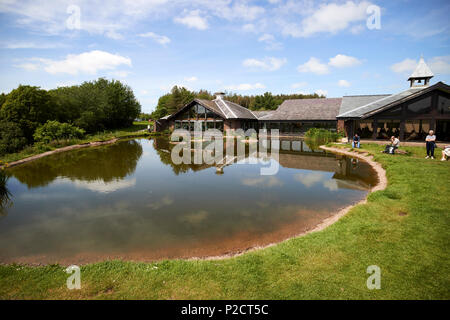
(129, 201)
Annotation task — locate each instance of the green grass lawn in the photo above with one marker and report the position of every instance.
(134, 130)
(412, 250)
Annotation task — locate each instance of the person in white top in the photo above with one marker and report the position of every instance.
(445, 153)
(395, 142)
(431, 144)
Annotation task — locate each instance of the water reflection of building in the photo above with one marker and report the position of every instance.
(292, 153)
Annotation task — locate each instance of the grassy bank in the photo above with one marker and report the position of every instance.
(403, 230)
(134, 130)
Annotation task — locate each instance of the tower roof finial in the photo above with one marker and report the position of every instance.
(422, 72)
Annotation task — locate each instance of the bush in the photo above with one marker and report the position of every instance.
(12, 138)
(54, 131)
(322, 135)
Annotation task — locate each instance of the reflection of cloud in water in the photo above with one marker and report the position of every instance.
(196, 217)
(331, 185)
(100, 185)
(165, 201)
(313, 178)
(263, 181)
(310, 179)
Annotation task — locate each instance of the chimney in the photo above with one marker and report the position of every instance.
(219, 95)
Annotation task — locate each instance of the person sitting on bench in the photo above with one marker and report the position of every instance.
(356, 141)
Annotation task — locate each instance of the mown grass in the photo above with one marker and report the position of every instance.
(412, 251)
(134, 130)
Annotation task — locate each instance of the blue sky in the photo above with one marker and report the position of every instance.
(248, 47)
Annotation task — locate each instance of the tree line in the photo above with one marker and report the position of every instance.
(180, 96)
(69, 111)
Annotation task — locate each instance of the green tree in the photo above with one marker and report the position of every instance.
(2, 99)
(28, 107)
(12, 138)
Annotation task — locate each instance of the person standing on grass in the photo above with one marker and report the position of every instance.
(355, 141)
(431, 144)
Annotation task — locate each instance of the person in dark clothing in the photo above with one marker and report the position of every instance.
(431, 144)
(356, 141)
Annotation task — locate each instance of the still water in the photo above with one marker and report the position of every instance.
(129, 201)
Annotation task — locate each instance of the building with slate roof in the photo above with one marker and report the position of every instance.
(409, 114)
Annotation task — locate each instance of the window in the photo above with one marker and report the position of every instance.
(275, 125)
(443, 130)
(388, 128)
(219, 125)
(285, 127)
(416, 129)
(396, 111)
(209, 114)
(443, 105)
(263, 125)
(419, 107)
(193, 112)
(201, 112)
(286, 145)
(297, 127)
(364, 129)
(296, 145)
(209, 125)
(185, 125)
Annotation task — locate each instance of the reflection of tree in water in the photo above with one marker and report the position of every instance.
(5, 195)
(105, 163)
(314, 144)
(164, 149)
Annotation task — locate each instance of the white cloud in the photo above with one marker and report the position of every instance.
(191, 79)
(31, 45)
(343, 83)
(313, 65)
(192, 19)
(236, 11)
(100, 185)
(407, 65)
(328, 18)
(120, 74)
(299, 85)
(245, 87)
(96, 17)
(440, 65)
(269, 64)
(28, 66)
(262, 182)
(270, 41)
(321, 92)
(249, 27)
(310, 179)
(88, 63)
(158, 38)
(266, 38)
(343, 61)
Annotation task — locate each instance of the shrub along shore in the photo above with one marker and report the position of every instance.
(136, 130)
(402, 229)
